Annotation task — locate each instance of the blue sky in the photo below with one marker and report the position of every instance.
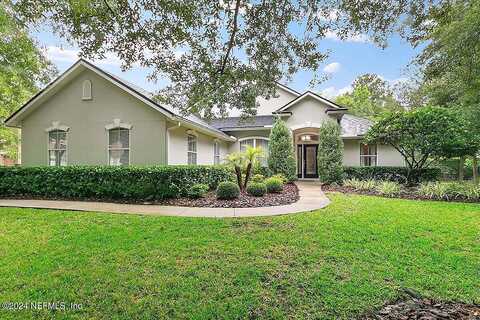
(348, 59)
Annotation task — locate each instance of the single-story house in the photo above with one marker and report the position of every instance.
(91, 117)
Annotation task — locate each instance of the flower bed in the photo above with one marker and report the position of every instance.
(287, 196)
(441, 191)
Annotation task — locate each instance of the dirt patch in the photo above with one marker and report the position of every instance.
(287, 196)
(414, 307)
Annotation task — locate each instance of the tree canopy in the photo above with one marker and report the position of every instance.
(424, 135)
(371, 96)
(218, 55)
(22, 68)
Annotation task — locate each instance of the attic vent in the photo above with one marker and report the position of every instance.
(87, 90)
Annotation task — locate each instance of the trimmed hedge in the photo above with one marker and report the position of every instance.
(256, 189)
(228, 190)
(108, 182)
(396, 174)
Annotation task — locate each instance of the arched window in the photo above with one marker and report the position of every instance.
(119, 146)
(57, 147)
(87, 90)
(256, 142)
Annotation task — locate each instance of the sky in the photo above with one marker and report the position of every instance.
(348, 59)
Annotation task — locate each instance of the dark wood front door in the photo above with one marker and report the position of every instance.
(310, 161)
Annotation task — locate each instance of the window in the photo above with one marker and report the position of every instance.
(119, 147)
(57, 148)
(256, 143)
(87, 90)
(368, 155)
(216, 152)
(192, 149)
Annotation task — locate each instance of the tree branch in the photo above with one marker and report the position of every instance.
(232, 36)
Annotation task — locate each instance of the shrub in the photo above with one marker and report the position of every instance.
(330, 153)
(281, 177)
(108, 182)
(364, 185)
(397, 174)
(388, 188)
(257, 178)
(281, 158)
(198, 191)
(256, 189)
(274, 185)
(228, 190)
(449, 190)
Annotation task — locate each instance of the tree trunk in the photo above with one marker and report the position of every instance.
(475, 169)
(247, 175)
(238, 172)
(461, 166)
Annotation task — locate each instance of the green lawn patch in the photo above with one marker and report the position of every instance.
(339, 262)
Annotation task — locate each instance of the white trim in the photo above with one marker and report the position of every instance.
(117, 123)
(216, 147)
(56, 126)
(303, 96)
(192, 133)
(129, 144)
(192, 151)
(284, 87)
(307, 124)
(367, 155)
(48, 146)
(87, 90)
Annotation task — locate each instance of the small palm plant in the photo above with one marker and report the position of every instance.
(244, 162)
(235, 160)
(251, 156)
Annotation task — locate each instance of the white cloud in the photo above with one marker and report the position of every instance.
(359, 38)
(332, 67)
(58, 54)
(333, 92)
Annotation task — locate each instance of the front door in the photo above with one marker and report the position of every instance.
(310, 161)
(307, 160)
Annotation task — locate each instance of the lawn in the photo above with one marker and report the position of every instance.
(338, 262)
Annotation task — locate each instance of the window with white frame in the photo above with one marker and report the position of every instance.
(119, 147)
(216, 152)
(191, 149)
(256, 142)
(368, 155)
(57, 148)
(87, 90)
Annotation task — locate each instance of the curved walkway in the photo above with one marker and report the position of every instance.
(311, 198)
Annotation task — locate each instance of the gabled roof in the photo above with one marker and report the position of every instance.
(332, 105)
(288, 89)
(135, 91)
(353, 126)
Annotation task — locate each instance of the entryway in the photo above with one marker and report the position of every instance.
(307, 161)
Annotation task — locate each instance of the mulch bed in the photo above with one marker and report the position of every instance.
(415, 307)
(406, 193)
(287, 196)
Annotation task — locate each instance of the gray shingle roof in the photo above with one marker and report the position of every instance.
(237, 122)
(353, 126)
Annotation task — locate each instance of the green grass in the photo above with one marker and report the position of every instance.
(339, 262)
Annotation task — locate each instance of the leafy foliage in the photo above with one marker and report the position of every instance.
(217, 54)
(371, 96)
(228, 190)
(281, 158)
(108, 182)
(330, 153)
(274, 185)
(258, 178)
(22, 67)
(423, 135)
(395, 174)
(198, 190)
(388, 188)
(256, 189)
(450, 190)
(244, 162)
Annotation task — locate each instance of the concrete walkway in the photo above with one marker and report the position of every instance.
(311, 198)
